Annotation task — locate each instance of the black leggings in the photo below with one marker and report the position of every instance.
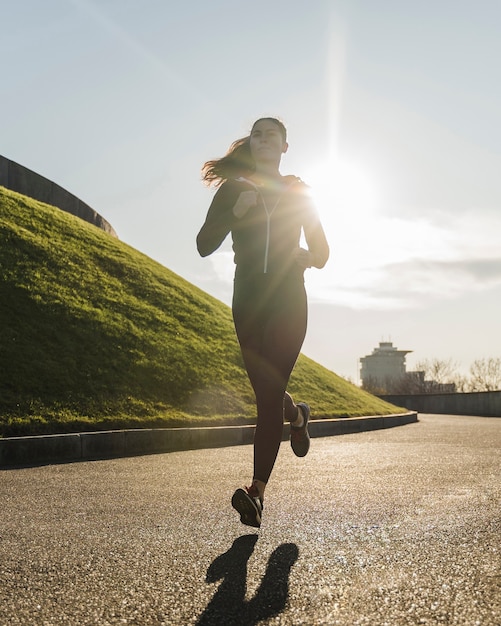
(270, 322)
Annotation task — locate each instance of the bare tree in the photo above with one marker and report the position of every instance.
(439, 376)
(411, 383)
(375, 386)
(485, 375)
(441, 371)
(462, 383)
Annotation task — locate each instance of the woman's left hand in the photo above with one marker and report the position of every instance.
(302, 258)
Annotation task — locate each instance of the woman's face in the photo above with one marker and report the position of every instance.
(266, 142)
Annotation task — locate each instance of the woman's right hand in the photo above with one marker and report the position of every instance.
(246, 200)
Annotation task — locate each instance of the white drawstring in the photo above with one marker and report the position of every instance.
(268, 217)
(268, 228)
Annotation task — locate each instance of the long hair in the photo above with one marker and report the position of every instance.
(237, 161)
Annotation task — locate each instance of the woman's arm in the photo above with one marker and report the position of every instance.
(217, 223)
(316, 239)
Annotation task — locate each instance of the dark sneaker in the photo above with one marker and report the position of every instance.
(300, 439)
(250, 506)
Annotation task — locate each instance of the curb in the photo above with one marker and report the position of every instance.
(90, 446)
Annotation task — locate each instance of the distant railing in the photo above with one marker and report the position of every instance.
(485, 403)
(22, 180)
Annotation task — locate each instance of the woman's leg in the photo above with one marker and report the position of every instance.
(271, 340)
(284, 338)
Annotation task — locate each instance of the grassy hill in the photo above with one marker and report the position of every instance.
(96, 335)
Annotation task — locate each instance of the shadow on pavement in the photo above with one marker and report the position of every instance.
(228, 606)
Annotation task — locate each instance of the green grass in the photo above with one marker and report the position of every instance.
(95, 335)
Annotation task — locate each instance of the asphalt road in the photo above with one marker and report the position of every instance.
(389, 527)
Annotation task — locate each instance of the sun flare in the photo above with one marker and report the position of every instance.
(344, 184)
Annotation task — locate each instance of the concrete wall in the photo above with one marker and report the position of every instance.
(19, 451)
(487, 403)
(22, 180)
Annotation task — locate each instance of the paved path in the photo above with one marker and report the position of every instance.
(389, 527)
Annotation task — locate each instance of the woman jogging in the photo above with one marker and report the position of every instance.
(265, 213)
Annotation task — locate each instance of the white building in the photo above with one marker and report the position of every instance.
(384, 366)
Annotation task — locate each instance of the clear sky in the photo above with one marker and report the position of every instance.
(393, 111)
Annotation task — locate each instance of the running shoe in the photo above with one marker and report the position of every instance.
(300, 438)
(250, 506)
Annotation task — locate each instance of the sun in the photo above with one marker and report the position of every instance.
(348, 200)
(344, 184)
(373, 252)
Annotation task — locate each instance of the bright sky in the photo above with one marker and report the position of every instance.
(392, 108)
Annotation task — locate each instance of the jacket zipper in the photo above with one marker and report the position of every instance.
(268, 228)
(268, 219)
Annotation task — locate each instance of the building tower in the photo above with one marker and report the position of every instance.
(384, 367)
